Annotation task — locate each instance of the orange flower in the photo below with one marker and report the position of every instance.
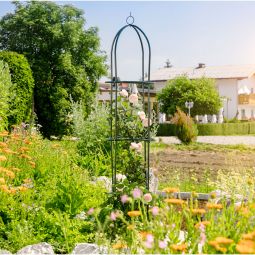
(214, 206)
(174, 201)
(4, 188)
(55, 145)
(12, 191)
(134, 213)
(32, 164)
(2, 158)
(10, 174)
(25, 156)
(223, 240)
(2, 144)
(246, 247)
(119, 245)
(22, 188)
(27, 142)
(16, 169)
(3, 169)
(144, 234)
(249, 236)
(205, 223)
(27, 180)
(198, 211)
(217, 247)
(23, 149)
(171, 190)
(4, 133)
(244, 210)
(179, 247)
(2, 181)
(7, 151)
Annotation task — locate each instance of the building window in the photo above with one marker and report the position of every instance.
(252, 113)
(243, 114)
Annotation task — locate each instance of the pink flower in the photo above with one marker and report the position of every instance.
(147, 197)
(155, 210)
(133, 99)
(90, 211)
(136, 146)
(141, 115)
(148, 245)
(162, 244)
(120, 177)
(137, 193)
(150, 238)
(113, 216)
(202, 238)
(123, 93)
(124, 199)
(146, 122)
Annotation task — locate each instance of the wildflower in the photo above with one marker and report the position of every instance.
(171, 190)
(10, 174)
(214, 206)
(249, 236)
(16, 169)
(23, 149)
(179, 247)
(131, 227)
(136, 146)
(55, 145)
(223, 240)
(124, 199)
(123, 93)
(146, 122)
(2, 158)
(141, 115)
(22, 188)
(133, 99)
(147, 197)
(32, 163)
(162, 244)
(12, 191)
(134, 213)
(174, 201)
(119, 245)
(120, 177)
(198, 211)
(90, 211)
(27, 142)
(4, 133)
(2, 181)
(155, 210)
(204, 223)
(143, 234)
(246, 247)
(3, 144)
(7, 151)
(137, 193)
(4, 188)
(113, 216)
(3, 169)
(25, 156)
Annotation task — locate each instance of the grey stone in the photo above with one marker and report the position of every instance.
(40, 248)
(5, 252)
(89, 248)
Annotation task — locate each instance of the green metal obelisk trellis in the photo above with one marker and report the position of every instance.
(144, 90)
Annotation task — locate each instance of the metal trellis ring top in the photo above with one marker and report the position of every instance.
(130, 19)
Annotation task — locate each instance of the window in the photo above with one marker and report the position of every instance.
(252, 113)
(243, 114)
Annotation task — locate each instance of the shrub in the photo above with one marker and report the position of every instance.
(5, 84)
(21, 91)
(186, 130)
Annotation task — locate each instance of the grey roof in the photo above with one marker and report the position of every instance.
(216, 72)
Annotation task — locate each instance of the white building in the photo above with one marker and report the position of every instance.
(236, 85)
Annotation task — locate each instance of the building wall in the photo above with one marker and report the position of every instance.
(228, 88)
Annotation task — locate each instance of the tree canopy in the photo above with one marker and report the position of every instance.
(202, 92)
(64, 56)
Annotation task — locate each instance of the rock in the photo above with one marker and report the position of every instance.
(89, 248)
(5, 252)
(40, 248)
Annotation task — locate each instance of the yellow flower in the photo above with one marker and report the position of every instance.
(214, 206)
(246, 247)
(198, 211)
(4, 133)
(249, 236)
(179, 247)
(12, 191)
(22, 188)
(119, 245)
(205, 223)
(174, 201)
(134, 213)
(223, 240)
(2, 181)
(2, 158)
(131, 227)
(10, 174)
(171, 190)
(3, 169)
(4, 188)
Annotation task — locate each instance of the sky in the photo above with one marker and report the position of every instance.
(186, 33)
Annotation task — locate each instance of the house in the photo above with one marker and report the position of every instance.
(235, 83)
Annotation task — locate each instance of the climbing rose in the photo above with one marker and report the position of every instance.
(123, 93)
(133, 98)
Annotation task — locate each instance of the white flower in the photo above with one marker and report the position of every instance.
(136, 146)
(123, 93)
(120, 177)
(133, 98)
(146, 122)
(141, 115)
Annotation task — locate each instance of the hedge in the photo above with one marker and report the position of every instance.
(21, 91)
(245, 128)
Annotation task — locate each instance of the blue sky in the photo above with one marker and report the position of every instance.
(215, 33)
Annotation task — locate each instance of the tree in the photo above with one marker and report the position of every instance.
(21, 91)
(201, 92)
(65, 58)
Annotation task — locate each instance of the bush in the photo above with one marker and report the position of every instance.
(186, 130)
(5, 84)
(21, 91)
